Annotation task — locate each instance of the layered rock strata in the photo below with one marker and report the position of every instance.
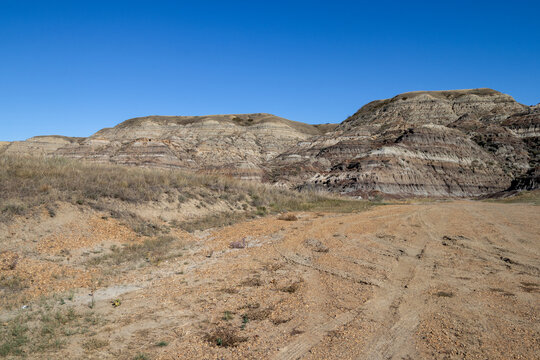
(457, 143)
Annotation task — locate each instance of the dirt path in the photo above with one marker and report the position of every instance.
(449, 280)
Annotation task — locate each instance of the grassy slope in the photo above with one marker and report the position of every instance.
(530, 197)
(30, 183)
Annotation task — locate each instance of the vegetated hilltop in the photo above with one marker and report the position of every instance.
(457, 143)
(428, 143)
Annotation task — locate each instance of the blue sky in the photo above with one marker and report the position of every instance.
(74, 67)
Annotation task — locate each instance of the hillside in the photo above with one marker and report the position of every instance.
(458, 143)
(234, 145)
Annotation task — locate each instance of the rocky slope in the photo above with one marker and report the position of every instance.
(234, 145)
(426, 143)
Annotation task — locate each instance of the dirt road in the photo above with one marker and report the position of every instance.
(447, 280)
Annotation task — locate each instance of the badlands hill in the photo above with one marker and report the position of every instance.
(457, 143)
(426, 143)
(235, 145)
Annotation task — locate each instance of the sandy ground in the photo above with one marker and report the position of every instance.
(448, 280)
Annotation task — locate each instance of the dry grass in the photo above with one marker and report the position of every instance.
(29, 183)
(152, 250)
(225, 336)
(530, 197)
(94, 344)
(287, 217)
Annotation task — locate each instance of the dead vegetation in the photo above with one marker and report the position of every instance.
(32, 183)
(151, 250)
(224, 336)
(287, 217)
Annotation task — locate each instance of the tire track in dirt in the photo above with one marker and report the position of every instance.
(385, 308)
(394, 306)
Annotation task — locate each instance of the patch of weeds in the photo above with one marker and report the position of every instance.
(9, 210)
(229, 290)
(261, 211)
(258, 314)
(43, 329)
(141, 356)
(254, 281)
(152, 250)
(162, 344)
(447, 294)
(245, 320)
(13, 337)
(224, 337)
(227, 315)
(287, 217)
(12, 284)
(94, 344)
(292, 288)
(51, 210)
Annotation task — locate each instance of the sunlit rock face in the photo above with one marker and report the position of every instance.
(235, 145)
(459, 143)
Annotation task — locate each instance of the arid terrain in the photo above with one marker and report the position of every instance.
(409, 231)
(101, 275)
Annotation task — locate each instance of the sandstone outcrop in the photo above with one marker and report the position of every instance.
(235, 145)
(39, 145)
(457, 143)
(428, 143)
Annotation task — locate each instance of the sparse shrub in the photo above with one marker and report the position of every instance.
(152, 250)
(141, 356)
(12, 283)
(444, 294)
(287, 217)
(258, 313)
(227, 315)
(94, 344)
(292, 288)
(13, 209)
(224, 337)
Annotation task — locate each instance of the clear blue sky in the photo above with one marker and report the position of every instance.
(74, 67)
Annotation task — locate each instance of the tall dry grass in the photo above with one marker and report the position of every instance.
(30, 182)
